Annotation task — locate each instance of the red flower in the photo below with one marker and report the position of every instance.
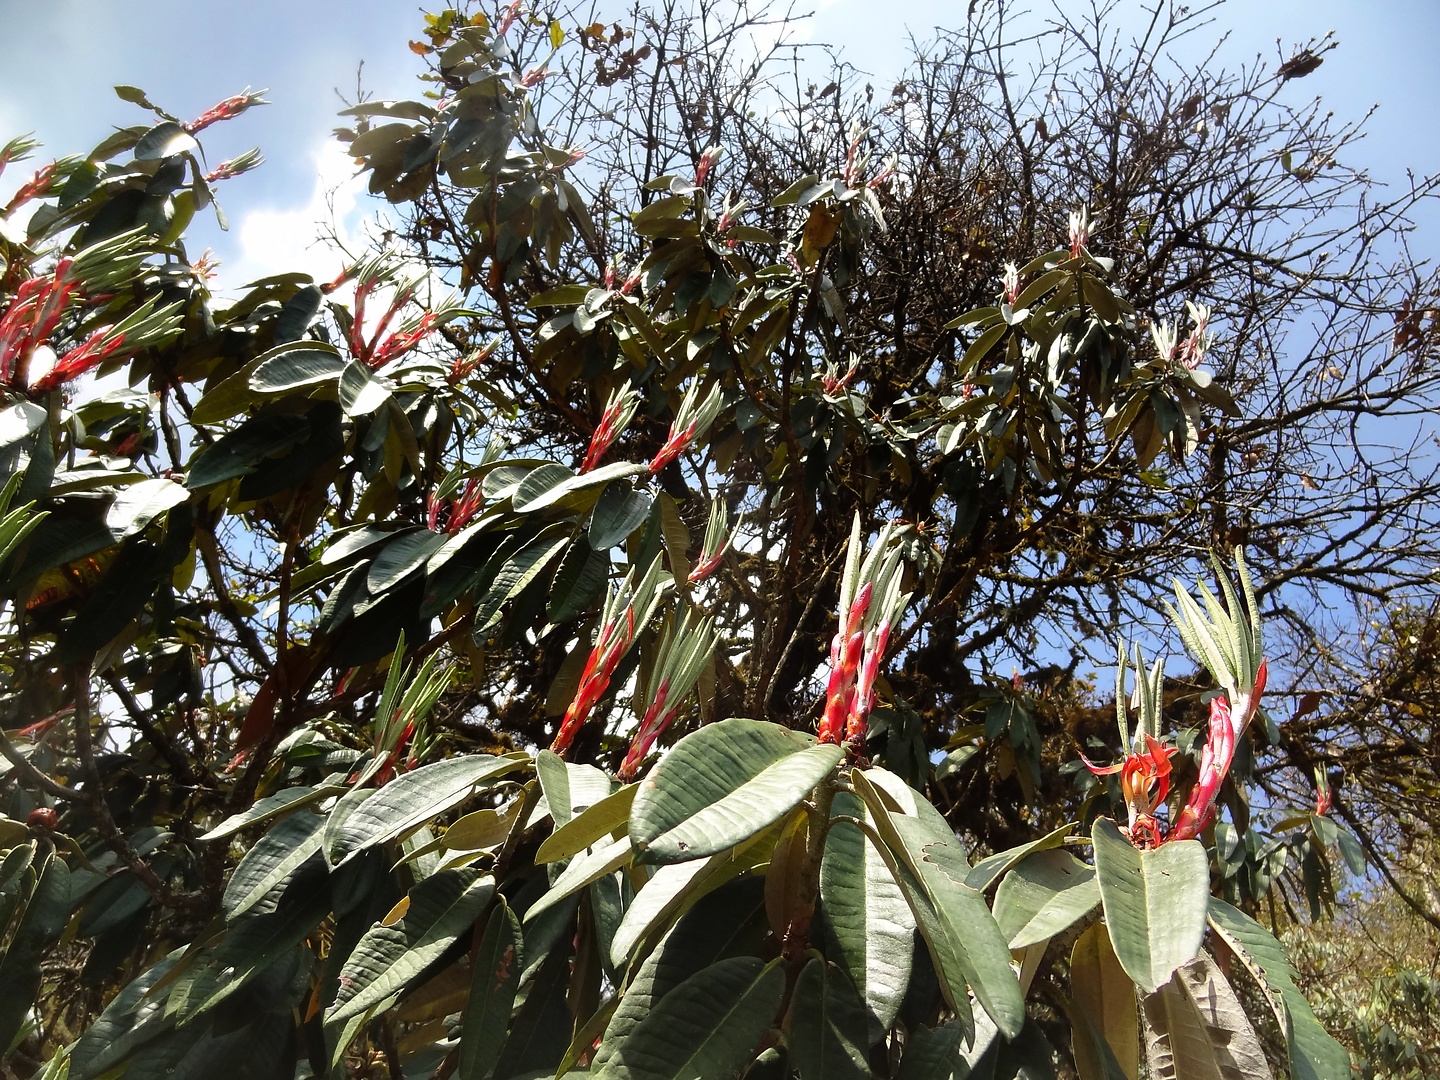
(228, 109)
(1144, 783)
(458, 512)
(616, 417)
(610, 647)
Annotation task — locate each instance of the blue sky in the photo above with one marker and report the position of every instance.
(60, 59)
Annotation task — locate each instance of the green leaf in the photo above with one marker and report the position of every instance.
(828, 1025)
(298, 313)
(1314, 1055)
(596, 821)
(1155, 902)
(792, 194)
(930, 864)
(129, 1020)
(1105, 1007)
(273, 861)
(584, 869)
(560, 296)
(570, 788)
(400, 558)
(389, 958)
(667, 892)
(868, 924)
(47, 910)
(618, 512)
(1198, 1030)
(707, 1028)
(522, 568)
(723, 784)
(676, 538)
(547, 484)
(139, 504)
(542, 486)
(297, 367)
(730, 921)
(227, 397)
(579, 580)
(271, 807)
(981, 346)
(541, 1030)
(1046, 894)
(361, 391)
(988, 871)
(496, 977)
(242, 450)
(264, 938)
(932, 1054)
(978, 946)
(163, 141)
(1352, 852)
(412, 800)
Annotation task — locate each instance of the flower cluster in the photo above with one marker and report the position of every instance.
(692, 420)
(619, 410)
(1010, 283)
(871, 603)
(717, 541)
(34, 314)
(626, 608)
(457, 512)
(684, 652)
(38, 185)
(228, 109)
(1226, 639)
(708, 160)
(250, 159)
(832, 382)
(1080, 229)
(1189, 353)
(399, 740)
(384, 346)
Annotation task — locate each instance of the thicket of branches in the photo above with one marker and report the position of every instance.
(1222, 186)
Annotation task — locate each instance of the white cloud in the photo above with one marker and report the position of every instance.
(277, 240)
(338, 223)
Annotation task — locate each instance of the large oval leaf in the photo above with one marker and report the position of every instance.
(1314, 1055)
(389, 958)
(1105, 1009)
(1047, 893)
(297, 367)
(867, 921)
(658, 901)
(595, 821)
(1199, 1031)
(604, 859)
(723, 784)
(492, 994)
(707, 1028)
(273, 860)
(1155, 902)
(547, 484)
(828, 1023)
(618, 512)
(412, 800)
(271, 807)
(959, 930)
(727, 922)
(46, 911)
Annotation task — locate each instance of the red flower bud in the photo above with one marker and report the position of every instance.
(43, 819)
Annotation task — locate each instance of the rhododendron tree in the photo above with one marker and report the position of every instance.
(613, 668)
